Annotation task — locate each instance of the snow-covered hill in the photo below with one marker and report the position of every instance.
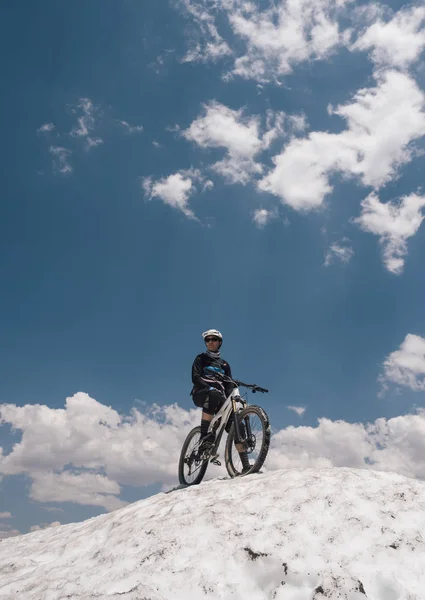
(294, 534)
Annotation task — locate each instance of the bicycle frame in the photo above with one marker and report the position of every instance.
(224, 414)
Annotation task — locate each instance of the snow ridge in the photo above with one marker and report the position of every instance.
(293, 534)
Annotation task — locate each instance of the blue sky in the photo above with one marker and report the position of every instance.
(174, 166)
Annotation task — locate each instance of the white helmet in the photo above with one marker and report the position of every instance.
(213, 332)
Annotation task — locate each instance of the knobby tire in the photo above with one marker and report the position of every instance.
(261, 452)
(201, 468)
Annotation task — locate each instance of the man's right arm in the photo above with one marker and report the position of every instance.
(197, 374)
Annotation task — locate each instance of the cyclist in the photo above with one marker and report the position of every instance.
(210, 375)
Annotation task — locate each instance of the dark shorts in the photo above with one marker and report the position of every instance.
(209, 400)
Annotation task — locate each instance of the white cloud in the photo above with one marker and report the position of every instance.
(5, 515)
(61, 162)
(222, 127)
(270, 40)
(262, 216)
(86, 122)
(131, 128)
(338, 251)
(394, 223)
(83, 488)
(298, 123)
(173, 190)
(282, 36)
(396, 444)
(208, 44)
(8, 533)
(381, 123)
(92, 142)
(239, 135)
(406, 366)
(86, 451)
(208, 185)
(45, 526)
(46, 128)
(299, 410)
(398, 42)
(266, 42)
(176, 189)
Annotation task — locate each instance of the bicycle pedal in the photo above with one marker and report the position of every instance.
(214, 460)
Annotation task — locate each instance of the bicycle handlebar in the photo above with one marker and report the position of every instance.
(253, 386)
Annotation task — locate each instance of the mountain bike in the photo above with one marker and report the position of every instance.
(247, 426)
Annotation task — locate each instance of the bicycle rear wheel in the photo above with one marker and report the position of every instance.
(192, 466)
(255, 431)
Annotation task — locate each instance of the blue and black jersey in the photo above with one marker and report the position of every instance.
(210, 372)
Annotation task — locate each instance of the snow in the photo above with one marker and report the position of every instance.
(293, 534)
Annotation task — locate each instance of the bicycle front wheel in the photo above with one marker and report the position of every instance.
(191, 466)
(255, 432)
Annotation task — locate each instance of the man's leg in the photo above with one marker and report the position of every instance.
(205, 423)
(211, 401)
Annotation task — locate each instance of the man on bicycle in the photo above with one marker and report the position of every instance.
(211, 386)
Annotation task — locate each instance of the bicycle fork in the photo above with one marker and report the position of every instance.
(242, 429)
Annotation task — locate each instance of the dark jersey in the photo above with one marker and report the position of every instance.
(211, 372)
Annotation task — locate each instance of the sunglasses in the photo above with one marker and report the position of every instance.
(212, 339)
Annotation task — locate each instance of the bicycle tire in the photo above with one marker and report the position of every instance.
(196, 432)
(261, 453)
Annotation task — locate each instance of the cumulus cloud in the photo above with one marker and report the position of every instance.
(331, 443)
(338, 251)
(381, 124)
(396, 444)
(268, 41)
(282, 36)
(397, 42)
(394, 222)
(86, 113)
(406, 366)
(8, 533)
(61, 162)
(45, 526)
(85, 452)
(176, 189)
(222, 127)
(5, 515)
(240, 135)
(84, 488)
